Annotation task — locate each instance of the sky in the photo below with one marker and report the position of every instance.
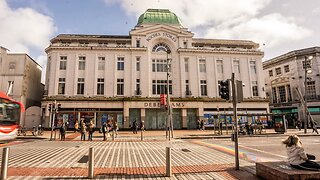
(279, 26)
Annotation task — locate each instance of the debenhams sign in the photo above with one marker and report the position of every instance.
(157, 104)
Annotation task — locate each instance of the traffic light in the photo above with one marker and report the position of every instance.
(49, 108)
(58, 107)
(224, 89)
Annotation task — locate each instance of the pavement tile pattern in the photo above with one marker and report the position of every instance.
(119, 159)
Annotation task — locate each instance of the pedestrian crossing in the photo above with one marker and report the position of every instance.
(66, 154)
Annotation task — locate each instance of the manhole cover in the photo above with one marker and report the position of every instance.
(185, 150)
(84, 159)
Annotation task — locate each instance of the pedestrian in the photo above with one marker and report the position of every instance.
(116, 128)
(76, 126)
(90, 131)
(298, 123)
(202, 124)
(198, 124)
(63, 132)
(247, 128)
(135, 127)
(297, 158)
(83, 129)
(104, 130)
(314, 127)
(142, 125)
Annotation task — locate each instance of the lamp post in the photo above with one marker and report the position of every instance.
(169, 110)
(307, 67)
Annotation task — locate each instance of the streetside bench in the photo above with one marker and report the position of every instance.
(282, 170)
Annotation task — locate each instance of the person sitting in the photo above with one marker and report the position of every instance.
(297, 158)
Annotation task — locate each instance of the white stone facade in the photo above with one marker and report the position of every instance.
(195, 62)
(285, 73)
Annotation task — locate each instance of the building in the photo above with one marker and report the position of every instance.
(120, 78)
(284, 75)
(24, 74)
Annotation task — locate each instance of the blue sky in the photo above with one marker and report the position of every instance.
(279, 26)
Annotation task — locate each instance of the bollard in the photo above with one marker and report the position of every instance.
(4, 164)
(232, 137)
(168, 162)
(113, 135)
(141, 135)
(91, 163)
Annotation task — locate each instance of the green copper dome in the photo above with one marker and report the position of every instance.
(159, 16)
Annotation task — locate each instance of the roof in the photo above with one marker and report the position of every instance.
(159, 16)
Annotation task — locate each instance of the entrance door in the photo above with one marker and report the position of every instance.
(191, 118)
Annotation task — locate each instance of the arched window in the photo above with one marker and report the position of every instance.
(160, 47)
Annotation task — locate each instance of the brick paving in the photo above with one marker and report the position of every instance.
(123, 158)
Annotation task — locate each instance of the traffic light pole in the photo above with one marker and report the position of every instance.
(234, 99)
(53, 113)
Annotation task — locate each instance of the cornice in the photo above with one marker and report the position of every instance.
(220, 51)
(89, 48)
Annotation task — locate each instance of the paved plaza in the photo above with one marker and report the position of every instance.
(127, 157)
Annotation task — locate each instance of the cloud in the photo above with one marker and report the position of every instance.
(227, 19)
(24, 28)
(273, 29)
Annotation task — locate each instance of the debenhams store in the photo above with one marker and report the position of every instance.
(120, 78)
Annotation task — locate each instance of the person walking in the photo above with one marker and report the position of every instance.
(297, 158)
(202, 124)
(135, 127)
(314, 127)
(83, 130)
(115, 128)
(76, 127)
(104, 130)
(62, 132)
(90, 131)
(198, 124)
(298, 123)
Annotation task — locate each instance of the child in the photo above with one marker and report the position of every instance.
(296, 155)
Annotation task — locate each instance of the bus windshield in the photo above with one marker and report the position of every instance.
(9, 113)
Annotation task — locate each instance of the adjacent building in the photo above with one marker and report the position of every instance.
(287, 73)
(23, 74)
(120, 77)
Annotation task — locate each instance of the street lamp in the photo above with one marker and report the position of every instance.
(307, 69)
(169, 110)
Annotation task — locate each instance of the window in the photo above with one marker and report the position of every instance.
(289, 93)
(311, 90)
(202, 65)
(185, 44)
(255, 88)
(61, 85)
(10, 87)
(188, 92)
(101, 63)
(160, 47)
(63, 62)
(82, 62)
(270, 73)
(286, 68)
(121, 44)
(80, 87)
(219, 66)
(160, 86)
(278, 71)
(274, 95)
(253, 68)
(159, 65)
(120, 64)
(282, 94)
(138, 91)
(138, 42)
(186, 64)
(138, 63)
(120, 87)
(100, 86)
(203, 87)
(236, 66)
(12, 65)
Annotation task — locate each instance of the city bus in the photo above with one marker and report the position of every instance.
(10, 112)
